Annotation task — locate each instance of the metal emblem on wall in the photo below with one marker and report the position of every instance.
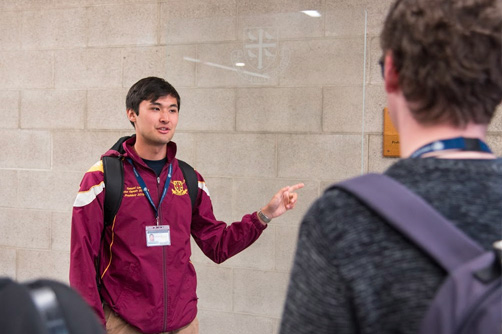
(261, 58)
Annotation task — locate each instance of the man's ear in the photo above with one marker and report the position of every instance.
(131, 115)
(391, 76)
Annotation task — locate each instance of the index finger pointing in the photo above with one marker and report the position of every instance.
(296, 187)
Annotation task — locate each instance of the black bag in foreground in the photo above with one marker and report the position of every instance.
(44, 307)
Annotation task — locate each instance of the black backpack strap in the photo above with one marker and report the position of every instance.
(113, 170)
(414, 218)
(118, 145)
(191, 181)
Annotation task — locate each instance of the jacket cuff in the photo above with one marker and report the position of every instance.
(256, 221)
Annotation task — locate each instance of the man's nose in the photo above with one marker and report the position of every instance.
(164, 116)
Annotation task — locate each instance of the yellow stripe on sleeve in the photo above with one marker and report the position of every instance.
(97, 167)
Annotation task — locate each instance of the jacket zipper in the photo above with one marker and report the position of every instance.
(164, 269)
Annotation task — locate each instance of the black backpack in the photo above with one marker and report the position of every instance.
(113, 170)
(469, 300)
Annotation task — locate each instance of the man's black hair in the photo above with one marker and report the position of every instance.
(149, 89)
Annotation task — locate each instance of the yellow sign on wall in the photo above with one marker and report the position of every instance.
(390, 137)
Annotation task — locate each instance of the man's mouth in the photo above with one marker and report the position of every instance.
(164, 130)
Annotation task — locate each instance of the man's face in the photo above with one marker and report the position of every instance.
(156, 122)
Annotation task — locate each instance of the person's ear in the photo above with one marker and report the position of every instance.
(131, 115)
(391, 77)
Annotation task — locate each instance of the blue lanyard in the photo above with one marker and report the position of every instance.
(142, 184)
(459, 143)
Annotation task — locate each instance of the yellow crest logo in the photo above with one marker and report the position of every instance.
(179, 188)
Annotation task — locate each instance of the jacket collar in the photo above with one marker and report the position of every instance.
(171, 149)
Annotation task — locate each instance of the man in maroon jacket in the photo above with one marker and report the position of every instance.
(149, 283)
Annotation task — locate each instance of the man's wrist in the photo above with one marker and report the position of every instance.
(263, 217)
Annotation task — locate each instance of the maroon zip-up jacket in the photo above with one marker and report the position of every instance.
(152, 288)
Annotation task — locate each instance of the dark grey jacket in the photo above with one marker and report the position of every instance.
(355, 274)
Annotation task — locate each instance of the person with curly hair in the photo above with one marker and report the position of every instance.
(354, 273)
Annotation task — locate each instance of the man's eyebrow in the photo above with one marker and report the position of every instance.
(160, 104)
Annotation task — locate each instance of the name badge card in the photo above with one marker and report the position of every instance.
(158, 236)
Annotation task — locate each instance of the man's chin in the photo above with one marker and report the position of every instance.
(165, 138)
(159, 141)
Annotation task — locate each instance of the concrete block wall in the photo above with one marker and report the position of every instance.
(66, 66)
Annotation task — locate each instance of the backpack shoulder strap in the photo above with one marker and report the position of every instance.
(414, 218)
(118, 145)
(191, 181)
(113, 170)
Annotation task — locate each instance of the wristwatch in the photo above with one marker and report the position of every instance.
(264, 217)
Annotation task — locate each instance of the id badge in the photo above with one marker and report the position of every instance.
(158, 236)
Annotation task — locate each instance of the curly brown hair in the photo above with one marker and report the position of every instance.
(448, 54)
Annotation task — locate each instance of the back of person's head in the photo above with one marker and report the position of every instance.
(149, 89)
(44, 307)
(448, 55)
